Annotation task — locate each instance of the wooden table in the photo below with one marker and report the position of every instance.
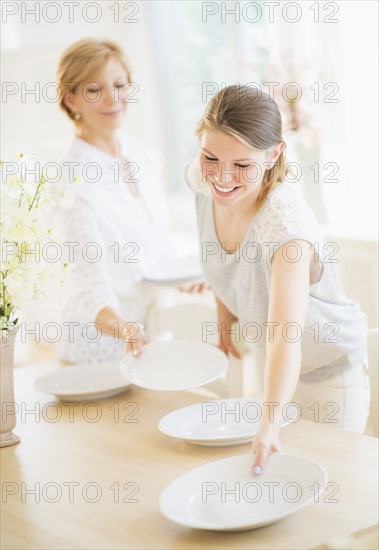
(121, 462)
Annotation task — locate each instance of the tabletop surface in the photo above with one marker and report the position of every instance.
(89, 475)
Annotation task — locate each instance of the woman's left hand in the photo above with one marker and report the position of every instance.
(265, 443)
(134, 337)
(197, 288)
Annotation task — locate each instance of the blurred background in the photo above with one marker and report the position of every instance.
(319, 57)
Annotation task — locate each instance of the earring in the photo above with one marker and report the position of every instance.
(77, 116)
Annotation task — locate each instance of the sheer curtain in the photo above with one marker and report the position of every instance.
(192, 61)
(352, 202)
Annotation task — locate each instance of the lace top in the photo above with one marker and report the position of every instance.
(115, 238)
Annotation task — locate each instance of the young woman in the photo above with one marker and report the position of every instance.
(263, 255)
(118, 225)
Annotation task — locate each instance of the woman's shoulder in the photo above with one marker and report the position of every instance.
(285, 214)
(286, 197)
(78, 151)
(84, 170)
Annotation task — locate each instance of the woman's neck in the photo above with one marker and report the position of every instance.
(106, 141)
(241, 212)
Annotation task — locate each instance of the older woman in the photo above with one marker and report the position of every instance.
(118, 225)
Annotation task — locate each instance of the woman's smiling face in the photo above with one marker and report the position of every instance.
(232, 170)
(103, 101)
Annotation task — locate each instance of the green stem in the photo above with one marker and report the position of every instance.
(37, 193)
(20, 199)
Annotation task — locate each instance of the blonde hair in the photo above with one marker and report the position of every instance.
(253, 117)
(82, 61)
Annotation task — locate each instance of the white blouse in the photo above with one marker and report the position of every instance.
(114, 238)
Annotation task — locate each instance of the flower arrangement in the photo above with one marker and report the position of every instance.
(28, 201)
(296, 82)
(295, 97)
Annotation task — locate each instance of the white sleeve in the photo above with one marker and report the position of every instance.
(285, 221)
(194, 178)
(289, 218)
(90, 282)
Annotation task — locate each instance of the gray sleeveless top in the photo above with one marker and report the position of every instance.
(335, 332)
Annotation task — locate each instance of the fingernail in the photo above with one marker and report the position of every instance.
(257, 470)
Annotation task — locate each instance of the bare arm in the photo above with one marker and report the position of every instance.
(288, 302)
(225, 321)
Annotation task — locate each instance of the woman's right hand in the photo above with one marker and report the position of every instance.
(135, 338)
(265, 443)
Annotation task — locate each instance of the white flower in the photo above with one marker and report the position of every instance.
(27, 201)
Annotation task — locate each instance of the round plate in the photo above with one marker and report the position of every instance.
(218, 423)
(175, 365)
(222, 443)
(176, 271)
(225, 496)
(82, 382)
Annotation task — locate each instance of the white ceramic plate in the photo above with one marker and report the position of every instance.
(218, 423)
(176, 271)
(225, 496)
(175, 365)
(83, 382)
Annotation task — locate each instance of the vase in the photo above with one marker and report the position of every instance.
(7, 404)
